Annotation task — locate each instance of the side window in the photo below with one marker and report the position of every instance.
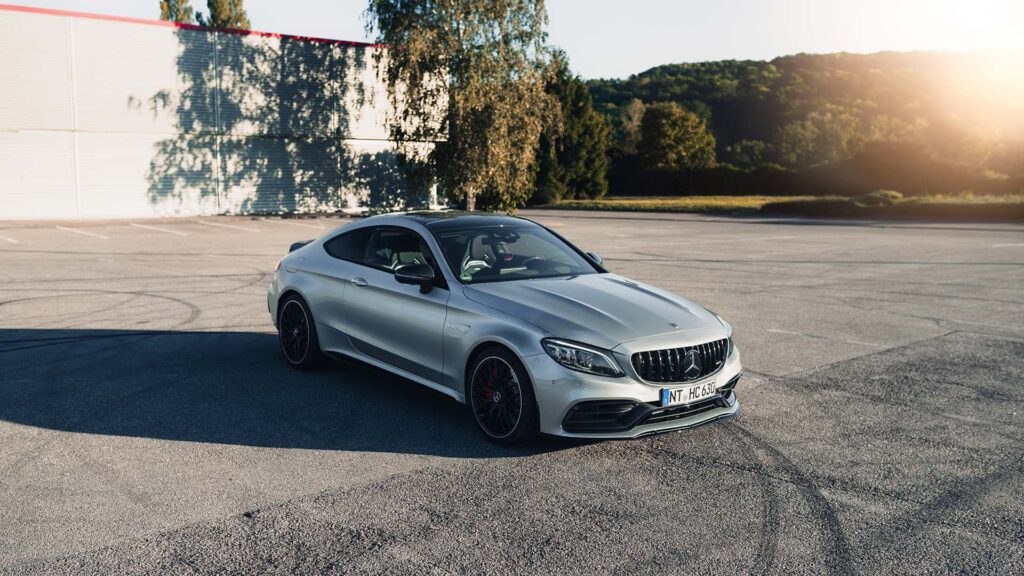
(390, 248)
(350, 246)
(385, 248)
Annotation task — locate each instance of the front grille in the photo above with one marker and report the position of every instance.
(670, 364)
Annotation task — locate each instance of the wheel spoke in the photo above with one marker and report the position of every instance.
(294, 331)
(495, 378)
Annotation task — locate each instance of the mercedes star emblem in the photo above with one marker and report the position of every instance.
(691, 363)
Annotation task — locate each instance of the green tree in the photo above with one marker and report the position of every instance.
(630, 117)
(469, 74)
(225, 14)
(746, 154)
(675, 139)
(825, 136)
(572, 161)
(176, 11)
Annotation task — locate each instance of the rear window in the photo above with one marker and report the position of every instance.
(349, 246)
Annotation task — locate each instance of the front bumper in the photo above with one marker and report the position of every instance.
(577, 405)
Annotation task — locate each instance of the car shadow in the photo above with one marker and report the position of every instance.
(229, 388)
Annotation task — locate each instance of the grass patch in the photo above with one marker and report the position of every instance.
(1009, 208)
(749, 204)
(880, 204)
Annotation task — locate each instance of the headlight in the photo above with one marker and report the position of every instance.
(728, 327)
(582, 358)
(728, 333)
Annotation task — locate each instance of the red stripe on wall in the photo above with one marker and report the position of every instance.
(53, 12)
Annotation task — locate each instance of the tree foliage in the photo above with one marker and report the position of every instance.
(672, 138)
(225, 14)
(572, 159)
(806, 111)
(176, 11)
(469, 74)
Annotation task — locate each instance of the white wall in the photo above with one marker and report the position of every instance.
(103, 118)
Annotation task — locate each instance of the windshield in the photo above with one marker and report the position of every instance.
(494, 253)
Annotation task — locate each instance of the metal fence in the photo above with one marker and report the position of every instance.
(112, 117)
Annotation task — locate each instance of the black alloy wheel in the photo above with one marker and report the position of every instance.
(297, 333)
(501, 398)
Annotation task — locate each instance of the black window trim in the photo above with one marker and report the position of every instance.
(439, 280)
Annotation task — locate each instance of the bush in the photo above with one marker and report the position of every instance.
(823, 208)
(877, 198)
(850, 208)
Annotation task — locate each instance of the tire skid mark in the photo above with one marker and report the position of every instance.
(764, 560)
(131, 278)
(62, 340)
(81, 315)
(838, 559)
(799, 384)
(959, 495)
(194, 310)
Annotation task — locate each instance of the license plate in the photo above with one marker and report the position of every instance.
(674, 396)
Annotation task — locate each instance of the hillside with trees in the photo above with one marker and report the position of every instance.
(920, 122)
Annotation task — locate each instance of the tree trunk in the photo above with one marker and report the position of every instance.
(470, 200)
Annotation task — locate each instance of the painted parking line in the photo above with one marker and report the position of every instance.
(750, 239)
(230, 226)
(1016, 245)
(816, 337)
(9, 239)
(83, 232)
(304, 224)
(159, 229)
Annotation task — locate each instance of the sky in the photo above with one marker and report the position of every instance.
(616, 38)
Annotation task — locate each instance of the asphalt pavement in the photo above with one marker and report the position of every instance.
(148, 424)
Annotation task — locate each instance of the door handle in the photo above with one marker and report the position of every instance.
(360, 282)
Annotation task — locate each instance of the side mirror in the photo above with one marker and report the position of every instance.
(421, 275)
(597, 259)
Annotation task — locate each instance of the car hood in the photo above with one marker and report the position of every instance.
(598, 309)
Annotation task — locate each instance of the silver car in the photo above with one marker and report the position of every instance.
(509, 318)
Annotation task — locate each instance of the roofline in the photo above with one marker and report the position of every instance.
(167, 24)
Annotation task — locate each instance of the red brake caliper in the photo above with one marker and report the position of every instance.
(489, 385)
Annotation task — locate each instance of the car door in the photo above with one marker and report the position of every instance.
(334, 269)
(396, 323)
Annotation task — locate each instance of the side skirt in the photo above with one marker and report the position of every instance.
(359, 357)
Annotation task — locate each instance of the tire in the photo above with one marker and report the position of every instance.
(296, 333)
(500, 398)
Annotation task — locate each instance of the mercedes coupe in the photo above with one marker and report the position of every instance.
(509, 318)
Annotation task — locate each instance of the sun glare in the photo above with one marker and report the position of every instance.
(977, 24)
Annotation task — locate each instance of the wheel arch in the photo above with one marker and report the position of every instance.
(281, 299)
(474, 353)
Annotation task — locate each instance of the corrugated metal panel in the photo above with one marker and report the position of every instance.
(183, 175)
(132, 78)
(376, 181)
(36, 72)
(366, 104)
(321, 166)
(281, 87)
(256, 175)
(37, 175)
(247, 66)
(267, 174)
(124, 174)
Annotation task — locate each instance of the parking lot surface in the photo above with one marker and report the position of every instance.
(149, 425)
